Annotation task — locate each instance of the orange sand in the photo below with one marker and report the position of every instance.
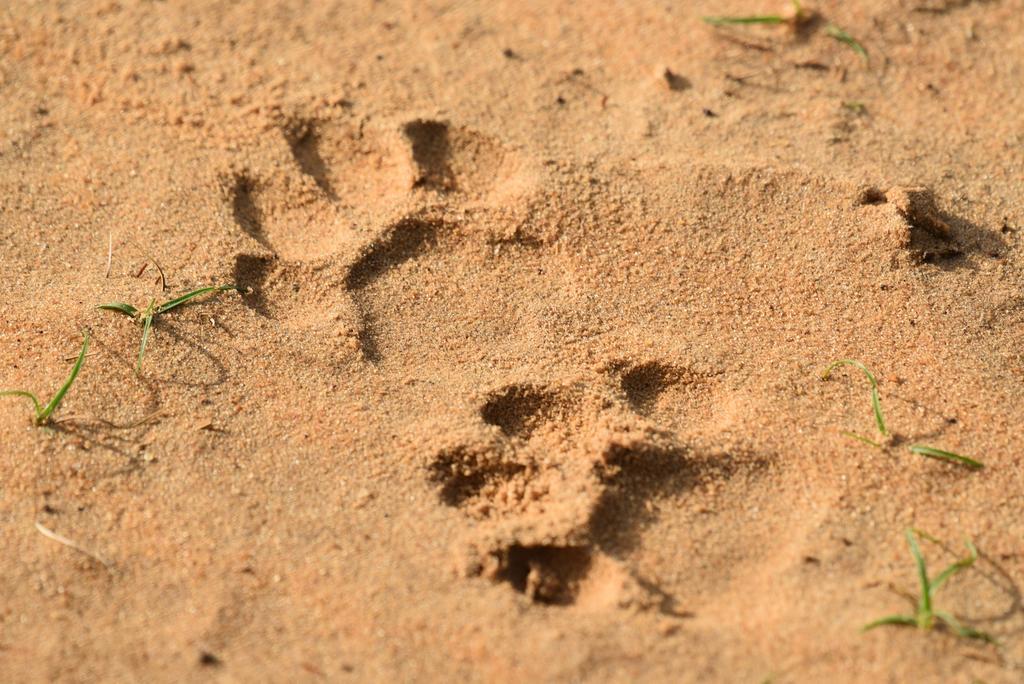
(525, 385)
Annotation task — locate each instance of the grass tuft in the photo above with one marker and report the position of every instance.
(862, 438)
(844, 37)
(126, 309)
(795, 17)
(757, 19)
(932, 452)
(876, 400)
(876, 409)
(43, 413)
(152, 310)
(925, 616)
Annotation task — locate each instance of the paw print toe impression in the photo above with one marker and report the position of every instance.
(545, 460)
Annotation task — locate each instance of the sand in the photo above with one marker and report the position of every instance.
(525, 381)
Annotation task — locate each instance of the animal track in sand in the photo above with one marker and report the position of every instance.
(544, 460)
(323, 176)
(401, 242)
(658, 391)
(331, 178)
(556, 473)
(553, 472)
(315, 209)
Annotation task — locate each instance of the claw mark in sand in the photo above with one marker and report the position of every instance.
(404, 241)
(304, 141)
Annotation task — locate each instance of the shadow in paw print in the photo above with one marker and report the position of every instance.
(304, 141)
(520, 409)
(464, 474)
(431, 155)
(675, 397)
(547, 574)
(634, 480)
(407, 239)
(251, 273)
(643, 384)
(555, 575)
(247, 214)
(641, 477)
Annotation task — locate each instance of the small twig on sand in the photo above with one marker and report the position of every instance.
(761, 47)
(110, 252)
(60, 539)
(159, 413)
(69, 359)
(136, 423)
(163, 278)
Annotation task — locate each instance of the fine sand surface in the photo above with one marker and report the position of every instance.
(525, 384)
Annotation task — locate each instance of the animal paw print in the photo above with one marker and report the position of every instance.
(330, 178)
(534, 473)
(313, 213)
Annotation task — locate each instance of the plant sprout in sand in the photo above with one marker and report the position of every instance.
(43, 413)
(876, 409)
(925, 615)
(795, 16)
(932, 452)
(146, 316)
(876, 400)
(843, 37)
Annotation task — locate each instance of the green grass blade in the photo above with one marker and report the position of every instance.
(876, 408)
(168, 305)
(861, 438)
(27, 395)
(147, 323)
(932, 452)
(876, 401)
(850, 362)
(120, 307)
(906, 620)
(956, 567)
(963, 630)
(921, 534)
(44, 415)
(925, 601)
(764, 19)
(844, 37)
